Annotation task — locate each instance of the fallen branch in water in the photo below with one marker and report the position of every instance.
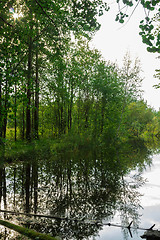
(88, 221)
(27, 232)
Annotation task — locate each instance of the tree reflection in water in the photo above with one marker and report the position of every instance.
(80, 185)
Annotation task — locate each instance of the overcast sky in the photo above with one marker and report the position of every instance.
(114, 40)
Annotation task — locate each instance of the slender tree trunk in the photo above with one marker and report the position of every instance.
(102, 114)
(69, 117)
(61, 114)
(59, 117)
(36, 111)
(5, 110)
(29, 85)
(42, 121)
(35, 180)
(27, 187)
(15, 114)
(86, 113)
(23, 121)
(5, 123)
(0, 109)
(78, 120)
(32, 115)
(95, 130)
(23, 181)
(22, 126)
(1, 176)
(4, 189)
(14, 187)
(70, 111)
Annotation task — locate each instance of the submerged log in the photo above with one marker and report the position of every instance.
(151, 235)
(27, 232)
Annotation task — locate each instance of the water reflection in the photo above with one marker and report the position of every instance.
(77, 184)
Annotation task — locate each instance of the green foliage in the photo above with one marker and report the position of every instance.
(141, 121)
(52, 83)
(150, 34)
(149, 27)
(157, 75)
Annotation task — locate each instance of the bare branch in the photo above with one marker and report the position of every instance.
(131, 13)
(46, 14)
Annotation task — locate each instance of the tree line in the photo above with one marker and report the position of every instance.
(53, 83)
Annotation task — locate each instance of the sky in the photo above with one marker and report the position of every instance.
(113, 40)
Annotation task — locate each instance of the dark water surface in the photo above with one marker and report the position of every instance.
(84, 188)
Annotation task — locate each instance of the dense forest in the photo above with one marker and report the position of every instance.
(54, 84)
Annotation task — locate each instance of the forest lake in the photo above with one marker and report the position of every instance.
(87, 188)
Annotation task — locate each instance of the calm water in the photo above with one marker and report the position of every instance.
(87, 187)
(150, 201)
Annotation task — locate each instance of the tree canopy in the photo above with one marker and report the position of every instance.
(149, 25)
(51, 82)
